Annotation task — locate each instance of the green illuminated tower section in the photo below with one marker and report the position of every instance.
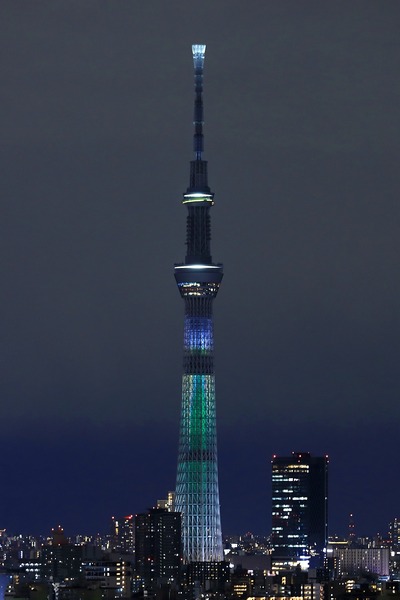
(198, 279)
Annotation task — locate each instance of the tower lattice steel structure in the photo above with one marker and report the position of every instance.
(198, 279)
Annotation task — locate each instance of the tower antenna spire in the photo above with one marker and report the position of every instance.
(198, 51)
(198, 186)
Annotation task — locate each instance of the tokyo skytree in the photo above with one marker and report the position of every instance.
(198, 279)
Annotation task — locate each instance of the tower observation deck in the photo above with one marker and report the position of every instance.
(198, 279)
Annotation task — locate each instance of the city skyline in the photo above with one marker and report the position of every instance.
(96, 110)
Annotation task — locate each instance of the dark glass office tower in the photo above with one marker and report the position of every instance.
(198, 279)
(299, 510)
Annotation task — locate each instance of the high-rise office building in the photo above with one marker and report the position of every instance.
(158, 548)
(198, 279)
(123, 534)
(61, 560)
(299, 510)
(394, 534)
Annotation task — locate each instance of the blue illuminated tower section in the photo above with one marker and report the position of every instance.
(198, 279)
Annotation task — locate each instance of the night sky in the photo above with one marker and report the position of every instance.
(302, 138)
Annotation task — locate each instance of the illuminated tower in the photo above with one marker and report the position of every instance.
(198, 279)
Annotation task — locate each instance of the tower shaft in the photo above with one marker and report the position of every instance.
(198, 279)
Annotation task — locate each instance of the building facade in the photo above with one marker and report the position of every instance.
(198, 280)
(168, 502)
(356, 562)
(299, 510)
(158, 548)
(109, 576)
